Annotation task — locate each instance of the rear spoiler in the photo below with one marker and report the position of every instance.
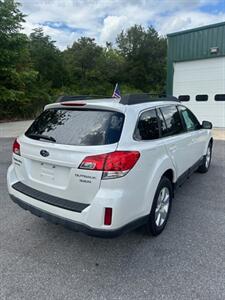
(113, 105)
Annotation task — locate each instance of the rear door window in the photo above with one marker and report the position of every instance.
(81, 127)
(148, 126)
(172, 119)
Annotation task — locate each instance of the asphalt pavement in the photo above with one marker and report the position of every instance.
(39, 260)
(13, 129)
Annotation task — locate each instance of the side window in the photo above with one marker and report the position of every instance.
(190, 120)
(147, 127)
(173, 120)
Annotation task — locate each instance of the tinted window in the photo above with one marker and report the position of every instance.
(190, 120)
(78, 127)
(172, 119)
(220, 97)
(147, 127)
(201, 98)
(184, 98)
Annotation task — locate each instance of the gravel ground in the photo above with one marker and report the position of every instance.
(39, 260)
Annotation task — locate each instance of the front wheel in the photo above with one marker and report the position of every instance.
(206, 160)
(160, 207)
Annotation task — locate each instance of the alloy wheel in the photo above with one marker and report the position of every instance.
(162, 207)
(208, 157)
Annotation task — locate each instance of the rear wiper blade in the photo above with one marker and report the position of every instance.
(41, 136)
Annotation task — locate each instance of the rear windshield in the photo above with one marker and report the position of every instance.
(77, 127)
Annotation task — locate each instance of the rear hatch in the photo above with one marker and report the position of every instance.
(57, 142)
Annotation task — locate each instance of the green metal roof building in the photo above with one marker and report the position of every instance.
(196, 70)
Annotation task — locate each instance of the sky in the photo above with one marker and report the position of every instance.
(67, 20)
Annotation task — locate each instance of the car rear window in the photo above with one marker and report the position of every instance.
(78, 126)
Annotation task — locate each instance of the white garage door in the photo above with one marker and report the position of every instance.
(202, 77)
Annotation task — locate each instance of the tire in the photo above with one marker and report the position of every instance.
(206, 160)
(157, 222)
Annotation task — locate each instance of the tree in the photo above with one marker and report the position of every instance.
(145, 55)
(46, 58)
(82, 58)
(110, 65)
(20, 94)
(12, 48)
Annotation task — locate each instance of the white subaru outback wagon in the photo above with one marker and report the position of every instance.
(107, 166)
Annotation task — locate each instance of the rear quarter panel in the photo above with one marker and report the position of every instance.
(136, 190)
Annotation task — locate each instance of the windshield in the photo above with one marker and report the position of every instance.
(77, 127)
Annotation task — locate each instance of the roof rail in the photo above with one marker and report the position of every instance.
(131, 99)
(80, 97)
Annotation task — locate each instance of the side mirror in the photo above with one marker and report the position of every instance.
(206, 125)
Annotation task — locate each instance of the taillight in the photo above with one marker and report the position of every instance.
(95, 162)
(16, 147)
(115, 164)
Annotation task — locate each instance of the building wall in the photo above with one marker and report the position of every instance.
(194, 44)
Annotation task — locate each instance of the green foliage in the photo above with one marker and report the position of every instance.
(46, 58)
(81, 60)
(145, 55)
(11, 48)
(33, 71)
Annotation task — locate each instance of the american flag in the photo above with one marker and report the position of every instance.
(116, 92)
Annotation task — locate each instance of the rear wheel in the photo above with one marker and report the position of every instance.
(160, 208)
(206, 160)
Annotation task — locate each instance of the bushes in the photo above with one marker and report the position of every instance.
(19, 105)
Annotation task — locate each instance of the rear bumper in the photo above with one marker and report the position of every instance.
(46, 198)
(85, 217)
(78, 226)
